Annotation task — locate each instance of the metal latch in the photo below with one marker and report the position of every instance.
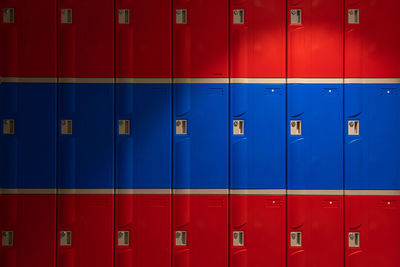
(238, 127)
(238, 16)
(295, 16)
(295, 127)
(354, 16)
(180, 238)
(66, 126)
(354, 239)
(181, 16)
(65, 238)
(7, 238)
(354, 127)
(181, 126)
(123, 238)
(295, 239)
(238, 238)
(66, 16)
(124, 127)
(9, 126)
(8, 15)
(123, 16)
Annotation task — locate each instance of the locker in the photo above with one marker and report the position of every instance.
(315, 136)
(200, 225)
(28, 227)
(29, 43)
(372, 118)
(143, 224)
(258, 39)
(201, 136)
(143, 38)
(315, 231)
(315, 39)
(257, 235)
(372, 230)
(85, 229)
(258, 143)
(200, 39)
(86, 38)
(86, 140)
(28, 135)
(371, 48)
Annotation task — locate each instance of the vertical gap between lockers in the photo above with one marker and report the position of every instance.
(343, 134)
(115, 230)
(57, 97)
(229, 135)
(172, 123)
(286, 134)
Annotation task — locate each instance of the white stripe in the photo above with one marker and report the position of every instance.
(28, 80)
(144, 80)
(372, 192)
(143, 191)
(315, 80)
(86, 80)
(200, 191)
(257, 192)
(258, 80)
(315, 192)
(86, 191)
(372, 80)
(201, 80)
(30, 191)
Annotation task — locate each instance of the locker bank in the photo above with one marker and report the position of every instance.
(191, 133)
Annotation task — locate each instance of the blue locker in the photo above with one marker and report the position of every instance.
(258, 136)
(372, 143)
(86, 144)
(28, 156)
(201, 136)
(144, 150)
(315, 136)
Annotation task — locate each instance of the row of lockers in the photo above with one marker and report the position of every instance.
(266, 38)
(202, 230)
(200, 136)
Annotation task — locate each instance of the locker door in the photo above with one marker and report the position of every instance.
(200, 39)
(371, 49)
(372, 231)
(315, 39)
(143, 203)
(86, 38)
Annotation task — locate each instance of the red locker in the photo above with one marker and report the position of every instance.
(143, 233)
(315, 231)
(258, 39)
(29, 38)
(315, 39)
(371, 43)
(85, 230)
(28, 227)
(143, 38)
(86, 38)
(200, 42)
(372, 231)
(257, 236)
(200, 231)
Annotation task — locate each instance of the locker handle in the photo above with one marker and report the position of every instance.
(238, 16)
(180, 238)
(9, 126)
(295, 127)
(7, 238)
(354, 239)
(238, 127)
(65, 238)
(123, 238)
(123, 16)
(295, 239)
(238, 238)
(354, 127)
(354, 16)
(8, 15)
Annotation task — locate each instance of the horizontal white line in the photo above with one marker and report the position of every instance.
(372, 192)
(200, 191)
(201, 80)
(257, 192)
(28, 80)
(144, 80)
(372, 80)
(86, 80)
(315, 80)
(315, 192)
(30, 191)
(86, 191)
(143, 191)
(259, 80)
